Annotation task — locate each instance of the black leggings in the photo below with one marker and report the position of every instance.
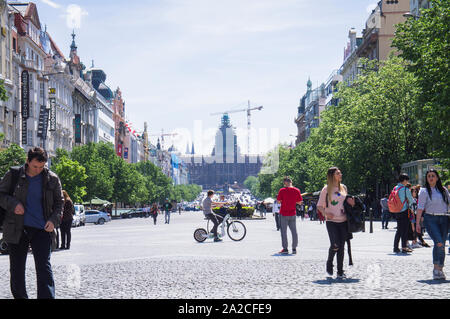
(66, 235)
(338, 233)
(403, 225)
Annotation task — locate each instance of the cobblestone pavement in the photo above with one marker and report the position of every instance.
(136, 259)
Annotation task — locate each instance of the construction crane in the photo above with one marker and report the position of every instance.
(248, 110)
(162, 136)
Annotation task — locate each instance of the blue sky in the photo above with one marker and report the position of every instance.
(177, 61)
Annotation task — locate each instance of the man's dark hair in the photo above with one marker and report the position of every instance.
(287, 179)
(210, 193)
(38, 154)
(403, 177)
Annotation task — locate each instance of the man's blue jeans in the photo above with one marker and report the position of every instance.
(437, 228)
(41, 243)
(167, 217)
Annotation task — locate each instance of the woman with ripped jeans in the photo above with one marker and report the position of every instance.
(434, 201)
(331, 205)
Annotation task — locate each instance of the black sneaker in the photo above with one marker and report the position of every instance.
(217, 240)
(341, 276)
(396, 250)
(284, 252)
(294, 251)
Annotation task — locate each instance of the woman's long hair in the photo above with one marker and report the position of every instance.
(330, 183)
(438, 185)
(66, 196)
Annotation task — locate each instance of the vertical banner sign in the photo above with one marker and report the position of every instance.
(119, 150)
(43, 122)
(24, 132)
(52, 115)
(25, 85)
(77, 128)
(125, 153)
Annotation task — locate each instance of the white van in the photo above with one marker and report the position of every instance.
(79, 218)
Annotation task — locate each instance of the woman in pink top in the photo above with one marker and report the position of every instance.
(331, 205)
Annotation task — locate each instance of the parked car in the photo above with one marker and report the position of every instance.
(79, 218)
(97, 217)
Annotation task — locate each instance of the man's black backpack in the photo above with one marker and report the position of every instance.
(355, 215)
(14, 180)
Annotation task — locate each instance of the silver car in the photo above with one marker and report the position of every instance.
(79, 218)
(97, 217)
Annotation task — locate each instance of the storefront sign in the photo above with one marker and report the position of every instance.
(43, 122)
(25, 85)
(52, 117)
(77, 128)
(24, 131)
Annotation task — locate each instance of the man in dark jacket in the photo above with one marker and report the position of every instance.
(32, 212)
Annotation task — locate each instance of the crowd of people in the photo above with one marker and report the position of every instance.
(35, 204)
(419, 208)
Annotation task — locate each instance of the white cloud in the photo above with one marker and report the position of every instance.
(74, 15)
(52, 4)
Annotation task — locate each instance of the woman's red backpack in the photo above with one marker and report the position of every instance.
(394, 203)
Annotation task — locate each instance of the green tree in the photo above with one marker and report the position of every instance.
(73, 178)
(425, 42)
(100, 182)
(12, 156)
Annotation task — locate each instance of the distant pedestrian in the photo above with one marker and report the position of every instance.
(32, 212)
(331, 205)
(434, 200)
(385, 214)
(66, 222)
(289, 196)
(403, 222)
(154, 212)
(239, 209)
(262, 209)
(167, 208)
(276, 214)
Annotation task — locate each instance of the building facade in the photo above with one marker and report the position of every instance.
(9, 110)
(380, 29)
(226, 165)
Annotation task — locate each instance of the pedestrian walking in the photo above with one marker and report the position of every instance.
(276, 214)
(262, 210)
(32, 211)
(403, 222)
(331, 205)
(289, 196)
(179, 209)
(66, 222)
(167, 207)
(434, 204)
(154, 212)
(385, 214)
(239, 209)
(416, 236)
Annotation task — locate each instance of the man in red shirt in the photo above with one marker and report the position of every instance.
(289, 197)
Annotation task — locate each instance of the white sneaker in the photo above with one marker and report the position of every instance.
(438, 275)
(416, 245)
